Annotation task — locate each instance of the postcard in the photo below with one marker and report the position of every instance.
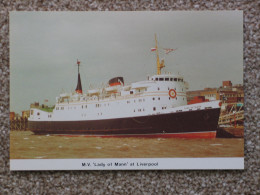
(126, 90)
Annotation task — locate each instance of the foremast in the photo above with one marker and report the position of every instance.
(79, 87)
(160, 64)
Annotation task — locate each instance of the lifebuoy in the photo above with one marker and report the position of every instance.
(172, 93)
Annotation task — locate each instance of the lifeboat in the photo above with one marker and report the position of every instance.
(93, 91)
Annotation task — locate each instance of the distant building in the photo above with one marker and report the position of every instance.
(227, 93)
(25, 114)
(226, 84)
(197, 99)
(35, 105)
(232, 96)
(210, 94)
(192, 94)
(12, 115)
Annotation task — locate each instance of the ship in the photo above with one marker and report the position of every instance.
(154, 107)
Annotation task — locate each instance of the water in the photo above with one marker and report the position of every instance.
(26, 145)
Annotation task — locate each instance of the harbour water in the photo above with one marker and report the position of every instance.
(26, 145)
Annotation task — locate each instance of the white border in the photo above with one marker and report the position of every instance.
(128, 164)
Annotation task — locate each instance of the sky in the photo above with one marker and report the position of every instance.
(45, 46)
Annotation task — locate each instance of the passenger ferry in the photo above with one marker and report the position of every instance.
(155, 107)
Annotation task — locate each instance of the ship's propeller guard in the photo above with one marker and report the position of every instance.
(172, 93)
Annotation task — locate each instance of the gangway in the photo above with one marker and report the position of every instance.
(232, 116)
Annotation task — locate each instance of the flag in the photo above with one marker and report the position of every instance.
(153, 49)
(78, 62)
(167, 50)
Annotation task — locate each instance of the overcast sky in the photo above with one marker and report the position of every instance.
(44, 48)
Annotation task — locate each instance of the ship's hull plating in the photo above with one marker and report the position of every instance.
(191, 124)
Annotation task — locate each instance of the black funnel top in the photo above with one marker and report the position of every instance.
(79, 87)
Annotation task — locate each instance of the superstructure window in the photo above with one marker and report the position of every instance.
(161, 79)
(154, 108)
(131, 92)
(175, 79)
(167, 79)
(156, 79)
(171, 79)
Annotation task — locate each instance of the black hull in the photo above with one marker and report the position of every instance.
(200, 121)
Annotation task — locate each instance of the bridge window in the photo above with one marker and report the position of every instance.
(167, 79)
(171, 79)
(175, 79)
(161, 79)
(156, 79)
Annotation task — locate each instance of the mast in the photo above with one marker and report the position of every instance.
(160, 65)
(79, 87)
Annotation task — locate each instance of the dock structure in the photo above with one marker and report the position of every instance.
(19, 124)
(233, 116)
